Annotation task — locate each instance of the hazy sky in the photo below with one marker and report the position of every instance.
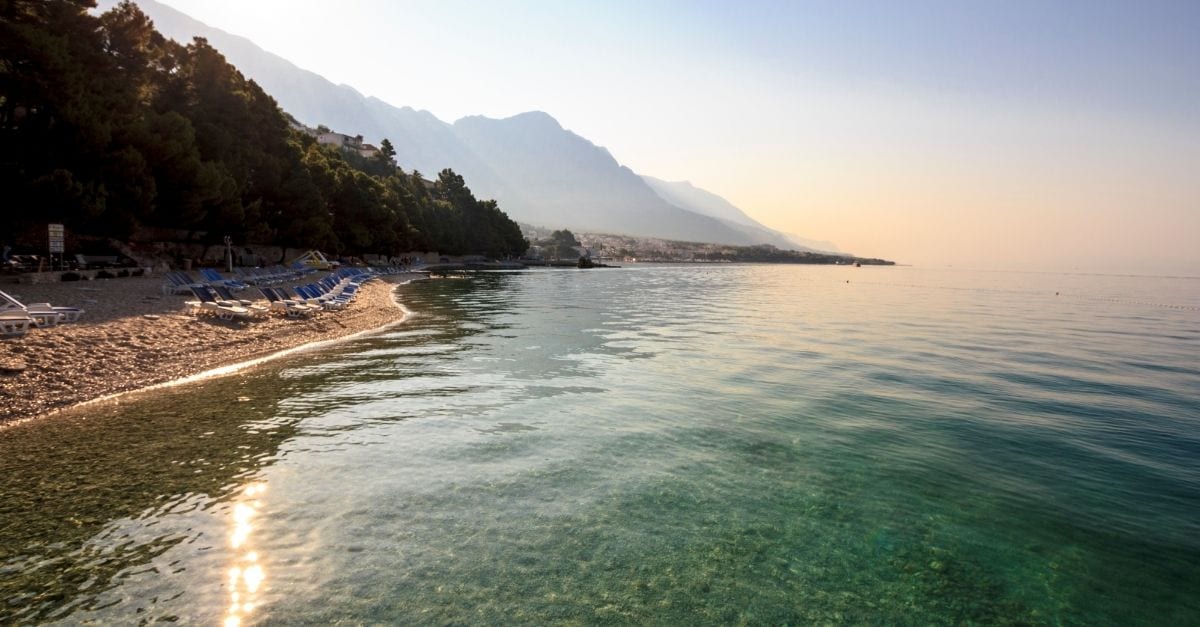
(1028, 135)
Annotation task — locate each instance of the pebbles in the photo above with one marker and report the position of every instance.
(118, 349)
(12, 365)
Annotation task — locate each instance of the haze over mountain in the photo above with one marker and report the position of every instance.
(539, 172)
(684, 194)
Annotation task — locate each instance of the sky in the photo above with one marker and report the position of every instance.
(999, 135)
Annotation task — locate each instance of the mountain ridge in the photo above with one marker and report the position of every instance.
(561, 179)
(698, 200)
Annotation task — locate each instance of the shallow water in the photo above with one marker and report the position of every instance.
(713, 444)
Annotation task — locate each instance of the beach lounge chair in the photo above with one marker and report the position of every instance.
(14, 323)
(223, 310)
(43, 314)
(215, 279)
(292, 308)
(315, 297)
(344, 288)
(66, 314)
(286, 296)
(295, 294)
(328, 301)
(178, 283)
(336, 291)
(299, 294)
(256, 310)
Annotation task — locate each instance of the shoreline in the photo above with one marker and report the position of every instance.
(132, 338)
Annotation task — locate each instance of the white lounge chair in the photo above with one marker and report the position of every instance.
(293, 309)
(225, 297)
(14, 323)
(69, 314)
(43, 314)
(208, 302)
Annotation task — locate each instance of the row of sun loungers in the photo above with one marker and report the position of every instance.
(215, 295)
(221, 303)
(16, 318)
(182, 282)
(273, 275)
(331, 293)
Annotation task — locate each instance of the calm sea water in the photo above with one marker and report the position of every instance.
(668, 445)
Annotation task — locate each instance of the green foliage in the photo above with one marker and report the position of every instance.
(766, 253)
(105, 125)
(562, 244)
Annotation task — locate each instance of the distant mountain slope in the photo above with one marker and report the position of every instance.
(687, 196)
(684, 194)
(538, 171)
(567, 180)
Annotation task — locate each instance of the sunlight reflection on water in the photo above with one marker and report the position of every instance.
(246, 574)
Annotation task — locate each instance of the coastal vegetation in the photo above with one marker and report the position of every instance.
(561, 245)
(564, 244)
(112, 129)
(766, 253)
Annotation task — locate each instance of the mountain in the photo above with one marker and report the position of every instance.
(539, 172)
(684, 194)
(564, 179)
(687, 196)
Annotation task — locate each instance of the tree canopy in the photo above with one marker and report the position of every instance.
(107, 126)
(562, 245)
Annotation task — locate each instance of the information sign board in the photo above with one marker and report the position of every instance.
(56, 238)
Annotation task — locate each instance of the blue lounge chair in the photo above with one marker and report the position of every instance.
(214, 279)
(178, 283)
(313, 296)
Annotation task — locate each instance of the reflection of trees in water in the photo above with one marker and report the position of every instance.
(68, 476)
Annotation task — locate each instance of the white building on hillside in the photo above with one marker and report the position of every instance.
(340, 140)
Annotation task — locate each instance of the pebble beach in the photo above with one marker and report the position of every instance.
(133, 336)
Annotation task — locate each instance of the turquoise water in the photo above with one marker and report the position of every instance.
(665, 445)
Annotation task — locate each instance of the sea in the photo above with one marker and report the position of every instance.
(671, 445)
